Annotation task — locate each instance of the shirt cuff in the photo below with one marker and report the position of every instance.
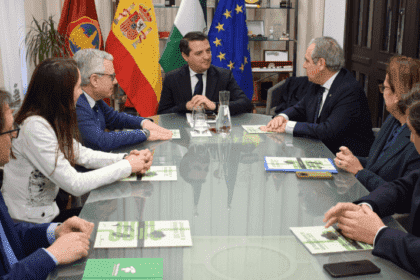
(145, 119)
(374, 240)
(370, 206)
(284, 116)
(290, 126)
(51, 255)
(51, 232)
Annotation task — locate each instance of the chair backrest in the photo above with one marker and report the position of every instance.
(270, 96)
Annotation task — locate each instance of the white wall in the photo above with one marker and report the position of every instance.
(1, 73)
(310, 25)
(334, 19)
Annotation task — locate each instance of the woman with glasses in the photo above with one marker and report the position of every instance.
(47, 148)
(392, 155)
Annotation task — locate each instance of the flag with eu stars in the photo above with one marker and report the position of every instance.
(228, 37)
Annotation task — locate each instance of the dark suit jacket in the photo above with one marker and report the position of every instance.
(92, 126)
(397, 161)
(399, 196)
(344, 119)
(177, 92)
(26, 241)
(290, 93)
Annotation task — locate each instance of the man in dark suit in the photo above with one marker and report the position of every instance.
(94, 115)
(334, 109)
(361, 220)
(199, 82)
(30, 251)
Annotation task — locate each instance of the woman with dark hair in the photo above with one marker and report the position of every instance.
(46, 150)
(391, 155)
(361, 220)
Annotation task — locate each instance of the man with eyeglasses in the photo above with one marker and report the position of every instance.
(94, 115)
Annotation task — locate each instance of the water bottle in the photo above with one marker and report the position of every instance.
(223, 123)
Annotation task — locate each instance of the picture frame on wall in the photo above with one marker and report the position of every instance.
(276, 55)
(255, 27)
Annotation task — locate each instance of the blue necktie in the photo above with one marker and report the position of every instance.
(318, 103)
(198, 90)
(7, 248)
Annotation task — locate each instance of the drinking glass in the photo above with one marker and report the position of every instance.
(200, 119)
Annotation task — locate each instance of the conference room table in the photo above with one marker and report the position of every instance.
(239, 214)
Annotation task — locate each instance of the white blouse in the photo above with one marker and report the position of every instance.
(29, 189)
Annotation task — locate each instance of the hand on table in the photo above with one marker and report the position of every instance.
(140, 161)
(74, 224)
(157, 132)
(197, 100)
(278, 124)
(361, 225)
(347, 161)
(331, 216)
(70, 247)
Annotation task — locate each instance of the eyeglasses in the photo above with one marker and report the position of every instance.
(15, 129)
(382, 88)
(110, 75)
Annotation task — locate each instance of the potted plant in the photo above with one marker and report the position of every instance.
(44, 41)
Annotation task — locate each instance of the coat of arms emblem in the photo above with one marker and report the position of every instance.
(135, 26)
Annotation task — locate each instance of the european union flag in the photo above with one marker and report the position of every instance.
(228, 38)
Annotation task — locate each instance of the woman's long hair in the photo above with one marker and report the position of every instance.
(51, 95)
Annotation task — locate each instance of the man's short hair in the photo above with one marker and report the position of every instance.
(191, 36)
(90, 61)
(328, 49)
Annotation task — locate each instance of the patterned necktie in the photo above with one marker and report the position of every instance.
(7, 248)
(199, 86)
(318, 103)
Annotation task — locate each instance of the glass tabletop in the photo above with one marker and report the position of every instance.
(239, 214)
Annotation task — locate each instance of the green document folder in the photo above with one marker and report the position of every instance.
(130, 268)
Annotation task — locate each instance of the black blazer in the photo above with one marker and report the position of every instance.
(344, 119)
(177, 92)
(397, 161)
(399, 196)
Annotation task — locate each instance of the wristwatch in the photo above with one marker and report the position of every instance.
(146, 132)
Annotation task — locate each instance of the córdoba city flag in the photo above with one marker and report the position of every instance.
(134, 43)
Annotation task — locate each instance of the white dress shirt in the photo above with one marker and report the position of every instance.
(194, 81)
(290, 126)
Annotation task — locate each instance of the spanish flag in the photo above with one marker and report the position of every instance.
(134, 43)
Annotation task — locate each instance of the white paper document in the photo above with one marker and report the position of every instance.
(117, 235)
(321, 240)
(167, 233)
(175, 134)
(254, 129)
(197, 134)
(155, 173)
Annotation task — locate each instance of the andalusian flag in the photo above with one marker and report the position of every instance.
(228, 38)
(134, 43)
(192, 16)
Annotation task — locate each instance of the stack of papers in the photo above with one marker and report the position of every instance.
(319, 240)
(155, 173)
(299, 164)
(125, 234)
